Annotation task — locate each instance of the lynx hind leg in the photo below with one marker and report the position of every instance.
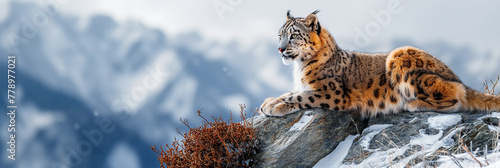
(423, 81)
(403, 61)
(436, 94)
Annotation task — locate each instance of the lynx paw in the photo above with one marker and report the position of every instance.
(273, 107)
(279, 109)
(263, 106)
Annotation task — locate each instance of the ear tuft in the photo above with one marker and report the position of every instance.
(288, 15)
(311, 19)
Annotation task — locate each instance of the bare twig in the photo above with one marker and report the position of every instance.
(356, 125)
(454, 159)
(473, 157)
(493, 85)
(484, 153)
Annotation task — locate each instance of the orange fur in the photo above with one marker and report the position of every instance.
(406, 79)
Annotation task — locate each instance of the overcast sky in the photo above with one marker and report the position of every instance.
(456, 22)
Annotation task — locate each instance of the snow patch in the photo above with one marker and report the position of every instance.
(413, 120)
(465, 160)
(431, 143)
(443, 121)
(493, 114)
(374, 130)
(284, 141)
(494, 128)
(382, 159)
(335, 158)
(494, 165)
(304, 121)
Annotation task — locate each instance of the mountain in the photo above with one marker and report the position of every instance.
(75, 73)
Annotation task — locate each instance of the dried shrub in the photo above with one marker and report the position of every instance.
(214, 144)
(493, 85)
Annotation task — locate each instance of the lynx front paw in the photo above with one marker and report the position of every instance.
(261, 108)
(276, 107)
(279, 109)
(264, 109)
(273, 107)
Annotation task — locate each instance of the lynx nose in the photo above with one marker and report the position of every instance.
(280, 49)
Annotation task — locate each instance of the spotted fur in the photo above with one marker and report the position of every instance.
(406, 79)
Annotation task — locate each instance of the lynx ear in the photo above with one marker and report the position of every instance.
(312, 19)
(288, 15)
(313, 22)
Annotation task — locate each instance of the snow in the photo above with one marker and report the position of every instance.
(374, 130)
(97, 63)
(443, 121)
(429, 143)
(335, 158)
(493, 114)
(283, 141)
(304, 121)
(413, 120)
(493, 128)
(493, 165)
(466, 160)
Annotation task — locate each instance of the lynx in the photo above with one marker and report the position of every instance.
(405, 79)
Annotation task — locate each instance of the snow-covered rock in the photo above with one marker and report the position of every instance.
(427, 139)
(300, 139)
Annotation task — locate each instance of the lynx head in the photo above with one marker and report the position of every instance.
(299, 38)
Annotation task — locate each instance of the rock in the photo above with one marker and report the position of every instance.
(478, 135)
(397, 140)
(424, 139)
(300, 139)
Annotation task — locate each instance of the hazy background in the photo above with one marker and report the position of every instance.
(143, 65)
